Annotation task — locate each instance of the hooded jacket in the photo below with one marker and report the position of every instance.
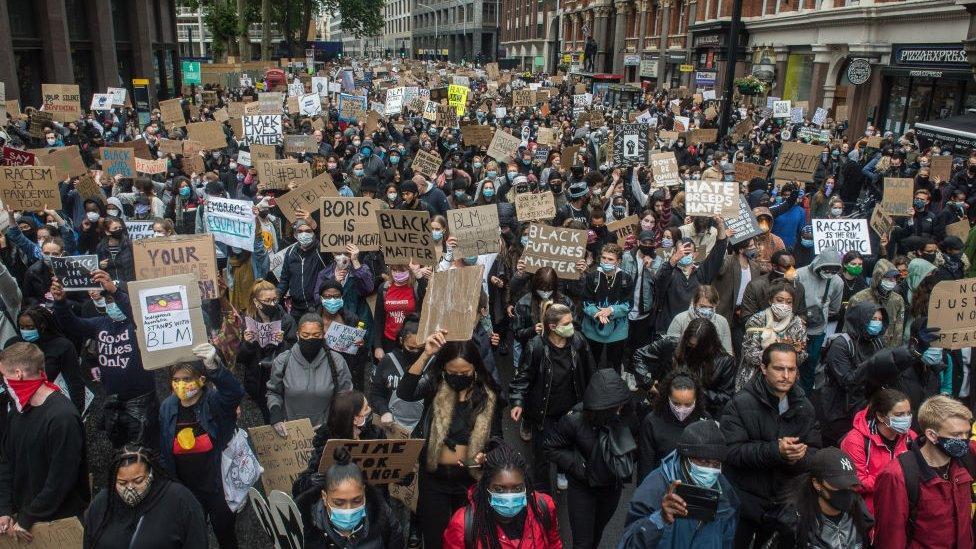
(653, 362)
(301, 388)
(892, 303)
(870, 454)
(841, 395)
(535, 535)
(645, 526)
(823, 295)
(767, 243)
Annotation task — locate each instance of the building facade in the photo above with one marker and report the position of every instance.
(92, 43)
(396, 29)
(529, 33)
(455, 29)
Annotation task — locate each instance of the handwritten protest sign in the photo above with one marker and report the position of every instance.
(63, 101)
(554, 247)
(301, 144)
(477, 135)
(342, 338)
(265, 332)
(898, 194)
(383, 461)
(842, 234)
(67, 160)
(881, 222)
(29, 187)
(952, 309)
(169, 319)
(427, 163)
(941, 167)
(744, 223)
(184, 254)
(622, 228)
(262, 152)
(476, 230)
(59, 534)
(270, 102)
(709, 198)
(140, 230)
(262, 129)
(745, 171)
(664, 166)
(347, 220)
(118, 161)
(231, 222)
(405, 237)
(351, 107)
(172, 113)
(535, 206)
(283, 457)
(74, 272)
(797, 161)
(278, 174)
(306, 196)
(630, 144)
(210, 134)
(503, 145)
(151, 166)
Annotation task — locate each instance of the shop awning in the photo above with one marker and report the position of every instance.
(958, 130)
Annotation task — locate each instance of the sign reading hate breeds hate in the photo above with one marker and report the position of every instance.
(405, 236)
(710, 198)
(29, 187)
(476, 230)
(347, 220)
(554, 247)
(842, 234)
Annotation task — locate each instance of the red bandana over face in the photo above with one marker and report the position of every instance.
(22, 390)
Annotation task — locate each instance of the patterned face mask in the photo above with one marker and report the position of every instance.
(133, 494)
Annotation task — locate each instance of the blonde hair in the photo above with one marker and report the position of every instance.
(256, 289)
(937, 409)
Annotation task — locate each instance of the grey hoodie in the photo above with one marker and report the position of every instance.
(298, 389)
(816, 290)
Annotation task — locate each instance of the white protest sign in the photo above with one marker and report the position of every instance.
(320, 85)
(820, 116)
(310, 105)
(166, 318)
(262, 129)
(102, 101)
(231, 222)
(842, 234)
(394, 101)
(265, 332)
(139, 230)
(781, 109)
(342, 338)
(244, 158)
(118, 96)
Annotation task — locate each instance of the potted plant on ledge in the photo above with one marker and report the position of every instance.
(750, 85)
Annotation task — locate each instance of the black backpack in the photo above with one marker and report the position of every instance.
(910, 469)
(469, 531)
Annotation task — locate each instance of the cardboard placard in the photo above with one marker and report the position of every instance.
(262, 152)
(554, 247)
(745, 225)
(169, 146)
(118, 161)
(952, 309)
(427, 163)
(168, 319)
(745, 171)
(348, 220)
(797, 161)
(88, 189)
(210, 134)
(664, 167)
(523, 98)
(842, 234)
(709, 198)
(960, 228)
(193, 164)
(476, 230)
(941, 167)
(535, 206)
(270, 102)
(503, 146)
(172, 113)
(262, 129)
(408, 494)
(405, 237)
(74, 272)
(306, 196)
(742, 129)
(477, 135)
(546, 136)
(63, 101)
(630, 144)
(881, 222)
(38, 121)
(342, 338)
(59, 534)
(301, 144)
(383, 461)
(191, 254)
(29, 187)
(220, 115)
(873, 142)
(17, 157)
(451, 303)
(898, 195)
(283, 457)
(623, 228)
(700, 135)
(67, 160)
(151, 166)
(278, 174)
(208, 98)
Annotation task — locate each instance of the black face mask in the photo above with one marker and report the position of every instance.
(458, 382)
(268, 310)
(841, 500)
(928, 257)
(646, 250)
(310, 348)
(117, 233)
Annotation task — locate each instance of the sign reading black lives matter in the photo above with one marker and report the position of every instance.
(262, 129)
(630, 144)
(74, 272)
(842, 234)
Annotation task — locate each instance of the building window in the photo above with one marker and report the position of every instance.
(120, 20)
(22, 21)
(77, 15)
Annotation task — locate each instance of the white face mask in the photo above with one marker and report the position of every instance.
(92, 216)
(113, 213)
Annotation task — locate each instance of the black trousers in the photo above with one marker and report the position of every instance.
(590, 509)
(221, 518)
(615, 353)
(641, 333)
(541, 469)
(441, 493)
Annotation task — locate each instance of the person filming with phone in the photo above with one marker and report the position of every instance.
(686, 501)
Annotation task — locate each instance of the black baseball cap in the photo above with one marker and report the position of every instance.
(835, 467)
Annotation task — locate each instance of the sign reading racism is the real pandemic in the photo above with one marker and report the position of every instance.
(843, 235)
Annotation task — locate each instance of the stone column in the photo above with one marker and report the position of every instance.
(57, 43)
(662, 60)
(620, 36)
(601, 16)
(8, 72)
(642, 7)
(821, 61)
(782, 58)
(103, 46)
(142, 54)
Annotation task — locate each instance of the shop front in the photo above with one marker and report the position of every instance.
(710, 51)
(925, 82)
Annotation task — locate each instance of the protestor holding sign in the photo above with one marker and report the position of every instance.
(196, 423)
(460, 399)
(335, 313)
(255, 360)
(607, 294)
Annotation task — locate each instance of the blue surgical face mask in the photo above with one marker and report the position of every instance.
(347, 519)
(685, 261)
(437, 234)
(473, 260)
(332, 304)
(358, 173)
(114, 312)
(932, 356)
(524, 240)
(607, 267)
(491, 174)
(459, 194)
(706, 477)
(488, 193)
(508, 505)
(705, 312)
(806, 242)
(476, 165)
(667, 243)
(394, 160)
(30, 335)
(511, 175)
(185, 192)
(900, 424)
(874, 327)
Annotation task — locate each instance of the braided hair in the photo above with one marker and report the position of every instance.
(501, 458)
(125, 456)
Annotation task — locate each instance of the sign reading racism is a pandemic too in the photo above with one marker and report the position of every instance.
(30, 187)
(842, 234)
(554, 247)
(405, 237)
(347, 220)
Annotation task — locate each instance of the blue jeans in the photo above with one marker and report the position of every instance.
(809, 369)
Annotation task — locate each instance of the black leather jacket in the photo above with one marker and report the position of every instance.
(654, 361)
(532, 380)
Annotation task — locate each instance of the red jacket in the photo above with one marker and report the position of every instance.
(534, 536)
(854, 445)
(943, 511)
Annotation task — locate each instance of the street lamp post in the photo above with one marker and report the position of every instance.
(733, 45)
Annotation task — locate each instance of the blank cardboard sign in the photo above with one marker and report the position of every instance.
(451, 303)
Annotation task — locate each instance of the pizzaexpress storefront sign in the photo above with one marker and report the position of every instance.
(941, 56)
